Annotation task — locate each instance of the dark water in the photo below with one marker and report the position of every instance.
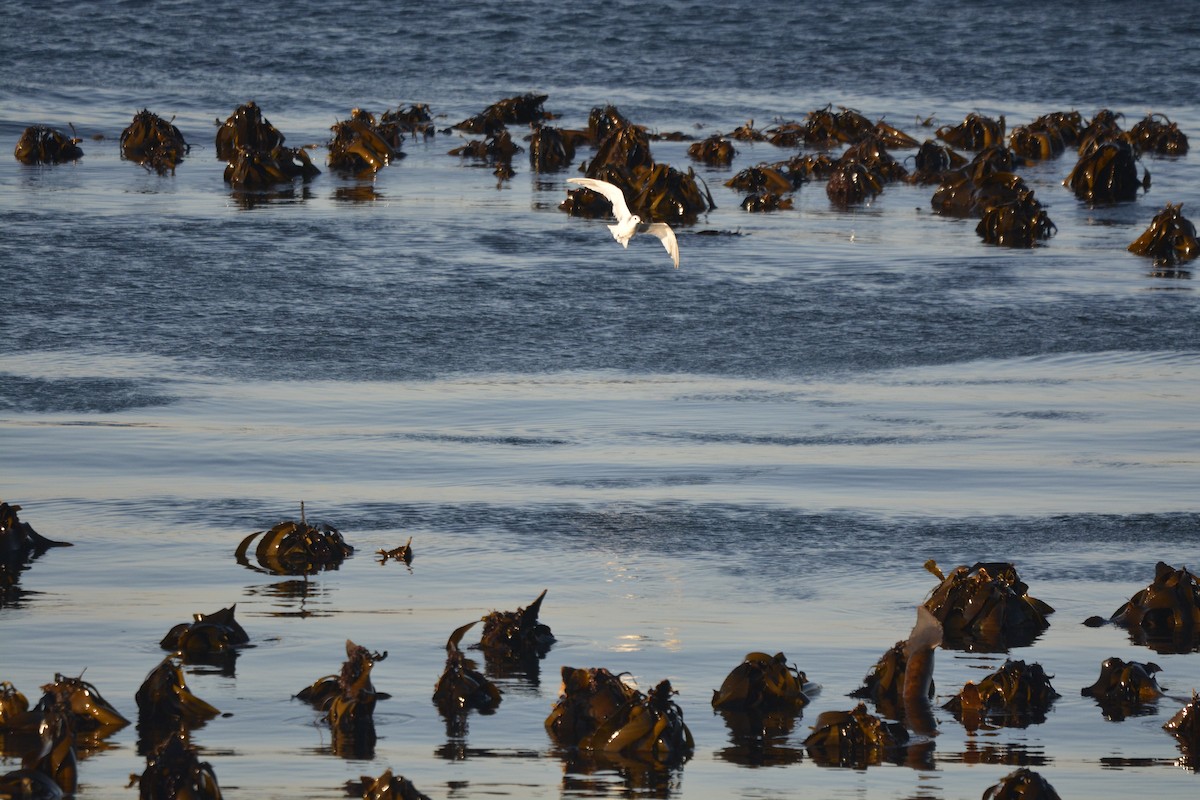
(755, 452)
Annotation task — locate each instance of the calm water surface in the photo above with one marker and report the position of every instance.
(755, 452)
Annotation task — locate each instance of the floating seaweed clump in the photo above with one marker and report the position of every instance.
(153, 142)
(416, 118)
(1170, 239)
(1018, 222)
(348, 700)
(599, 714)
(1165, 616)
(166, 703)
(497, 151)
(550, 149)
(522, 109)
(174, 771)
(362, 144)
(20, 544)
(854, 738)
(295, 548)
(1014, 696)
(975, 132)
(1107, 173)
(1047, 136)
(1185, 727)
(516, 635)
(462, 687)
(986, 607)
(89, 712)
(386, 787)
(207, 635)
(402, 553)
(49, 771)
(1159, 135)
(1022, 784)
(246, 129)
(41, 144)
(256, 158)
(716, 150)
(762, 683)
(1125, 688)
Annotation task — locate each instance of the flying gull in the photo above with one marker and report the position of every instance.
(630, 224)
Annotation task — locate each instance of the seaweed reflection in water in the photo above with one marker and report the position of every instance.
(293, 597)
(603, 774)
(980, 751)
(758, 739)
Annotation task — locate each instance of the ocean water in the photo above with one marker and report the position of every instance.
(755, 452)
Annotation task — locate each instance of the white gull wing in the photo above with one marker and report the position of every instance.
(610, 192)
(663, 231)
(628, 224)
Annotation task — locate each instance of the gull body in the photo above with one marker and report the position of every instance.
(628, 225)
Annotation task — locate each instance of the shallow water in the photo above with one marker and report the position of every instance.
(755, 452)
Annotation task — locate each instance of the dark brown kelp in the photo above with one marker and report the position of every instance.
(246, 129)
(716, 150)
(462, 687)
(295, 548)
(1107, 174)
(975, 132)
(40, 144)
(600, 714)
(762, 683)
(986, 607)
(516, 635)
(522, 109)
(1185, 727)
(854, 738)
(1125, 688)
(1014, 696)
(1023, 784)
(1021, 221)
(362, 144)
(1165, 616)
(1170, 239)
(549, 149)
(165, 702)
(1157, 134)
(153, 142)
(175, 772)
(386, 787)
(207, 634)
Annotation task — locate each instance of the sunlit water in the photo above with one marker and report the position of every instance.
(755, 452)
